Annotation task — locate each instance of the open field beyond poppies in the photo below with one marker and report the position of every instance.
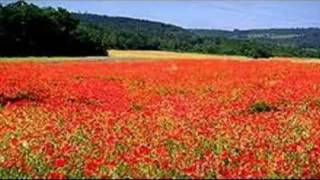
(160, 119)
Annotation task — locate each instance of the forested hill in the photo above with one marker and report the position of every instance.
(300, 37)
(127, 24)
(130, 33)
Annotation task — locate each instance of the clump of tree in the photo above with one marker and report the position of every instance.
(27, 30)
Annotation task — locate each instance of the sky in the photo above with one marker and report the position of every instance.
(208, 14)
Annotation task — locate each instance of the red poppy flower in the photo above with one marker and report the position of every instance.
(56, 175)
(59, 163)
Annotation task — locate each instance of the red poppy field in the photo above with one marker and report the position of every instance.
(160, 119)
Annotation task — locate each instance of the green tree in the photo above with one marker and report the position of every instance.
(26, 29)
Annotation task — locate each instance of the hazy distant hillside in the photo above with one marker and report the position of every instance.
(300, 37)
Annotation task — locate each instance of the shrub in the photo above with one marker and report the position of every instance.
(257, 50)
(261, 53)
(261, 106)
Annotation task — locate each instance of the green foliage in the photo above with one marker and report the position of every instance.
(12, 174)
(38, 164)
(261, 52)
(27, 30)
(177, 175)
(121, 171)
(261, 106)
(211, 175)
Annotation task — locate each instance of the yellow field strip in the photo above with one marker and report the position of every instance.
(166, 55)
(141, 55)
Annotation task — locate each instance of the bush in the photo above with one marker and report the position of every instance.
(260, 106)
(261, 53)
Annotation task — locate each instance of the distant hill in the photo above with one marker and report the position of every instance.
(298, 37)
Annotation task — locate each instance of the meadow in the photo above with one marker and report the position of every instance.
(161, 116)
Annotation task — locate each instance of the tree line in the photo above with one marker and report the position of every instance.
(27, 30)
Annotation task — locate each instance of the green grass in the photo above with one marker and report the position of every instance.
(13, 174)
